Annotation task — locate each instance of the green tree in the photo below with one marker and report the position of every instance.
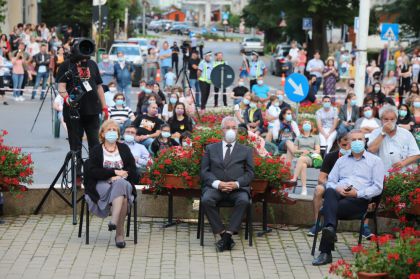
(408, 13)
(266, 15)
(3, 4)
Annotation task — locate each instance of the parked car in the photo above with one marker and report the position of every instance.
(7, 70)
(132, 53)
(278, 63)
(155, 25)
(142, 42)
(252, 44)
(180, 29)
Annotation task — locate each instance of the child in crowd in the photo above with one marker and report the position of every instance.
(170, 78)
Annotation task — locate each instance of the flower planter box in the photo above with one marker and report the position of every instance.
(414, 210)
(259, 186)
(367, 275)
(180, 182)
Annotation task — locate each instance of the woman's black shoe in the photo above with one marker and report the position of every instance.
(111, 227)
(119, 244)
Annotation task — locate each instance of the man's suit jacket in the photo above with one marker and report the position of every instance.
(240, 168)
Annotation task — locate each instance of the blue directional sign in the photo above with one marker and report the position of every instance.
(296, 87)
(307, 23)
(389, 31)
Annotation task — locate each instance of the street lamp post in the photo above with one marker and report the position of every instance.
(143, 18)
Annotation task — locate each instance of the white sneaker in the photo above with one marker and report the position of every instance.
(304, 192)
(21, 98)
(17, 99)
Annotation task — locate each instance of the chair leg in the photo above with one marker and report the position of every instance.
(375, 229)
(135, 220)
(317, 225)
(247, 225)
(127, 234)
(202, 227)
(362, 221)
(87, 224)
(199, 221)
(250, 228)
(82, 212)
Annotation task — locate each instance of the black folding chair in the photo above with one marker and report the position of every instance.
(369, 214)
(248, 228)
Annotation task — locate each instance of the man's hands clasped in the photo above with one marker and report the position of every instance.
(228, 186)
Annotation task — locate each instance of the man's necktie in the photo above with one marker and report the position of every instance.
(226, 160)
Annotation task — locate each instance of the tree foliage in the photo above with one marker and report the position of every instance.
(408, 13)
(3, 4)
(266, 15)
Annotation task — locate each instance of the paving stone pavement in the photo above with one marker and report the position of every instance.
(47, 246)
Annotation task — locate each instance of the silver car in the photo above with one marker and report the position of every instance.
(252, 44)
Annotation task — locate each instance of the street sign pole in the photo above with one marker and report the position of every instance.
(387, 58)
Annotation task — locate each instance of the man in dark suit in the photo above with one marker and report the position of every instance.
(227, 169)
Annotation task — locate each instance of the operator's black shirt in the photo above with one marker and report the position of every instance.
(89, 104)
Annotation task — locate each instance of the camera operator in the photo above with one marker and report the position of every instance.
(186, 53)
(79, 83)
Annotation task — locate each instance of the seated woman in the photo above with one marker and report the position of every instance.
(348, 115)
(305, 144)
(241, 108)
(273, 117)
(390, 83)
(286, 135)
(111, 173)
(253, 117)
(163, 141)
(405, 119)
(367, 123)
(121, 113)
(180, 122)
(168, 109)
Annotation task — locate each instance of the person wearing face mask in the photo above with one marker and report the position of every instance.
(287, 133)
(227, 169)
(416, 119)
(148, 125)
(327, 121)
(241, 108)
(414, 93)
(163, 141)
(327, 165)
(123, 74)
(120, 113)
(106, 69)
(272, 116)
(261, 90)
(156, 90)
(139, 152)
(257, 69)
(109, 92)
(367, 123)
(348, 115)
(152, 99)
(282, 103)
(152, 64)
(253, 116)
(394, 145)
(239, 92)
(145, 93)
(405, 120)
(180, 122)
(204, 72)
(186, 139)
(377, 95)
(168, 109)
(111, 173)
(305, 145)
(354, 180)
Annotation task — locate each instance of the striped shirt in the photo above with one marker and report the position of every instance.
(120, 114)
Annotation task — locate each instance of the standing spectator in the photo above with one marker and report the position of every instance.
(106, 69)
(165, 58)
(33, 47)
(193, 68)
(170, 78)
(382, 58)
(368, 123)
(152, 65)
(180, 122)
(219, 61)
(244, 69)
(394, 145)
(294, 55)
(68, 34)
(257, 69)
(415, 67)
(345, 63)
(26, 36)
(2, 92)
(45, 33)
(148, 125)
(239, 91)
(315, 67)
(301, 61)
(139, 152)
(123, 73)
(175, 57)
(404, 73)
(42, 61)
(405, 119)
(327, 121)
(330, 75)
(261, 90)
(204, 72)
(121, 113)
(19, 60)
(348, 115)
(58, 60)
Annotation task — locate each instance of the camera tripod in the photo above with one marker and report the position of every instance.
(184, 72)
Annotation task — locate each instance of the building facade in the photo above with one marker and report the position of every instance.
(19, 11)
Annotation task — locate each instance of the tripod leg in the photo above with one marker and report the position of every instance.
(74, 186)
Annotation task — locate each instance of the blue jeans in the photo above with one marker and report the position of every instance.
(126, 90)
(194, 85)
(147, 142)
(44, 77)
(317, 85)
(17, 84)
(163, 72)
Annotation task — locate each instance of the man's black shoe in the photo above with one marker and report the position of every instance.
(322, 259)
(328, 235)
(230, 244)
(220, 245)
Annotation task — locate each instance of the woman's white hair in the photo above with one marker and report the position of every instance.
(388, 108)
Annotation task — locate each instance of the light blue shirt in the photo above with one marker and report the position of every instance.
(170, 79)
(256, 68)
(366, 174)
(107, 70)
(315, 63)
(167, 62)
(140, 154)
(261, 91)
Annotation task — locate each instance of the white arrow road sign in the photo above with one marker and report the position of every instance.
(298, 88)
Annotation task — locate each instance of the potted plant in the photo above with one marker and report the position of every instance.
(398, 257)
(273, 171)
(401, 194)
(175, 167)
(16, 168)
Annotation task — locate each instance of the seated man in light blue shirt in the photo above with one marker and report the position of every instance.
(260, 89)
(139, 151)
(355, 179)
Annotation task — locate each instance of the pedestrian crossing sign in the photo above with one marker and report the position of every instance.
(389, 31)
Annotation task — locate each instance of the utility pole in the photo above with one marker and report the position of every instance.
(361, 54)
(143, 18)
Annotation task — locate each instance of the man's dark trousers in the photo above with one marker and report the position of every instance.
(338, 207)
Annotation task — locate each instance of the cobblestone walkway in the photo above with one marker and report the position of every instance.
(47, 246)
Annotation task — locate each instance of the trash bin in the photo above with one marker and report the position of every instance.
(99, 54)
